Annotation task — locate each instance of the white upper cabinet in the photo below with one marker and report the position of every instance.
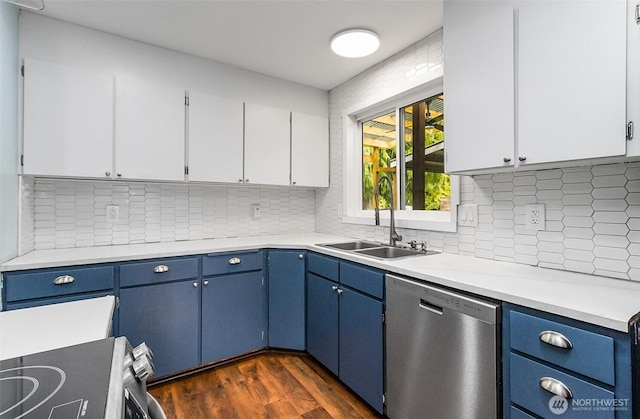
(533, 82)
(478, 84)
(309, 150)
(150, 131)
(572, 80)
(215, 138)
(633, 78)
(267, 145)
(68, 121)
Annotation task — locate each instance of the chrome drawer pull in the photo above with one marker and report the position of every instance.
(64, 279)
(234, 261)
(556, 387)
(555, 339)
(160, 269)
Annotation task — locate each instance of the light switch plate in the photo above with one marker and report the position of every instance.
(468, 215)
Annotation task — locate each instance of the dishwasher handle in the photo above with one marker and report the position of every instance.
(424, 304)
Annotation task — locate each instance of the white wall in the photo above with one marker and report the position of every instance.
(593, 212)
(8, 131)
(68, 213)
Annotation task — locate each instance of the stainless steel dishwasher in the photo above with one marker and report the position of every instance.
(442, 353)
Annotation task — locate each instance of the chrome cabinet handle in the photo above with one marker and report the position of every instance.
(205, 283)
(506, 159)
(64, 279)
(119, 174)
(240, 180)
(555, 339)
(339, 291)
(195, 285)
(556, 387)
(522, 158)
(160, 269)
(234, 261)
(334, 287)
(247, 180)
(107, 173)
(300, 256)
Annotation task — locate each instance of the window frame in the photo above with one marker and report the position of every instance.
(353, 213)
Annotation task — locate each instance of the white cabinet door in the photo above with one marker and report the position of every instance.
(68, 121)
(633, 79)
(572, 80)
(309, 150)
(150, 131)
(267, 145)
(478, 84)
(215, 138)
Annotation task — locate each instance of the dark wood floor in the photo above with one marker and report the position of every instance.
(267, 385)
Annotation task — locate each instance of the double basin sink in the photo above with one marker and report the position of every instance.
(378, 250)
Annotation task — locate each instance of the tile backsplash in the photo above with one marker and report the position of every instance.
(67, 213)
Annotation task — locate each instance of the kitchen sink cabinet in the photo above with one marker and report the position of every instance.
(345, 325)
(286, 278)
(534, 83)
(546, 357)
(267, 145)
(67, 121)
(215, 138)
(150, 131)
(234, 311)
(309, 150)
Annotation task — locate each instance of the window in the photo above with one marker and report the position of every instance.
(383, 139)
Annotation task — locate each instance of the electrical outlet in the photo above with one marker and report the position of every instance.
(113, 213)
(535, 217)
(255, 211)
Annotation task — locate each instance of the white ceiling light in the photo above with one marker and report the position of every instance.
(355, 43)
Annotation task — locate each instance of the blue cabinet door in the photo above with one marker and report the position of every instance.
(322, 321)
(233, 315)
(286, 299)
(361, 346)
(166, 317)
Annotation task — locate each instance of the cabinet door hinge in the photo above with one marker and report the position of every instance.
(630, 131)
(384, 318)
(186, 101)
(22, 160)
(117, 303)
(186, 170)
(384, 399)
(263, 281)
(263, 335)
(22, 70)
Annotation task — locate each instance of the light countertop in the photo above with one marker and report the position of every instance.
(598, 300)
(38, 329)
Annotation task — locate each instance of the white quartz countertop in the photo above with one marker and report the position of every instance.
(38, 329)
(598, 300)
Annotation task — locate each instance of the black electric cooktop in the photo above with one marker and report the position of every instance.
(67, 383)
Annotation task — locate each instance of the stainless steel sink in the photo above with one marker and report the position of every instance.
(356, 245)
(389, 252)
(377, 250)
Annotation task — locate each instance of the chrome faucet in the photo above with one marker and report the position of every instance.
(394, 237)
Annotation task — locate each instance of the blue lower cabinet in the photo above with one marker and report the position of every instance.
(166, 317)
(361, 346)
(233, 315)
(322, 321)
(286, 299)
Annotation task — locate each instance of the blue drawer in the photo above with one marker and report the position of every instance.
(40, 283)
(158, 271)
(363, 279)
(592, 354)
(519, 414)
(588, 399)
(230, 263)
(324, 266)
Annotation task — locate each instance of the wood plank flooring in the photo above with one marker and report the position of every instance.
(266, 385)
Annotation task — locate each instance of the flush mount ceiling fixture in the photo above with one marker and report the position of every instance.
(355, 43)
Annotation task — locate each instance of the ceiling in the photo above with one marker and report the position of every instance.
(288, 39)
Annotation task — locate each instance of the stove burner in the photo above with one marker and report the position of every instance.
(14, 381)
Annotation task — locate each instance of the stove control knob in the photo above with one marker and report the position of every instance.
(142, 368)
(142, 350)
